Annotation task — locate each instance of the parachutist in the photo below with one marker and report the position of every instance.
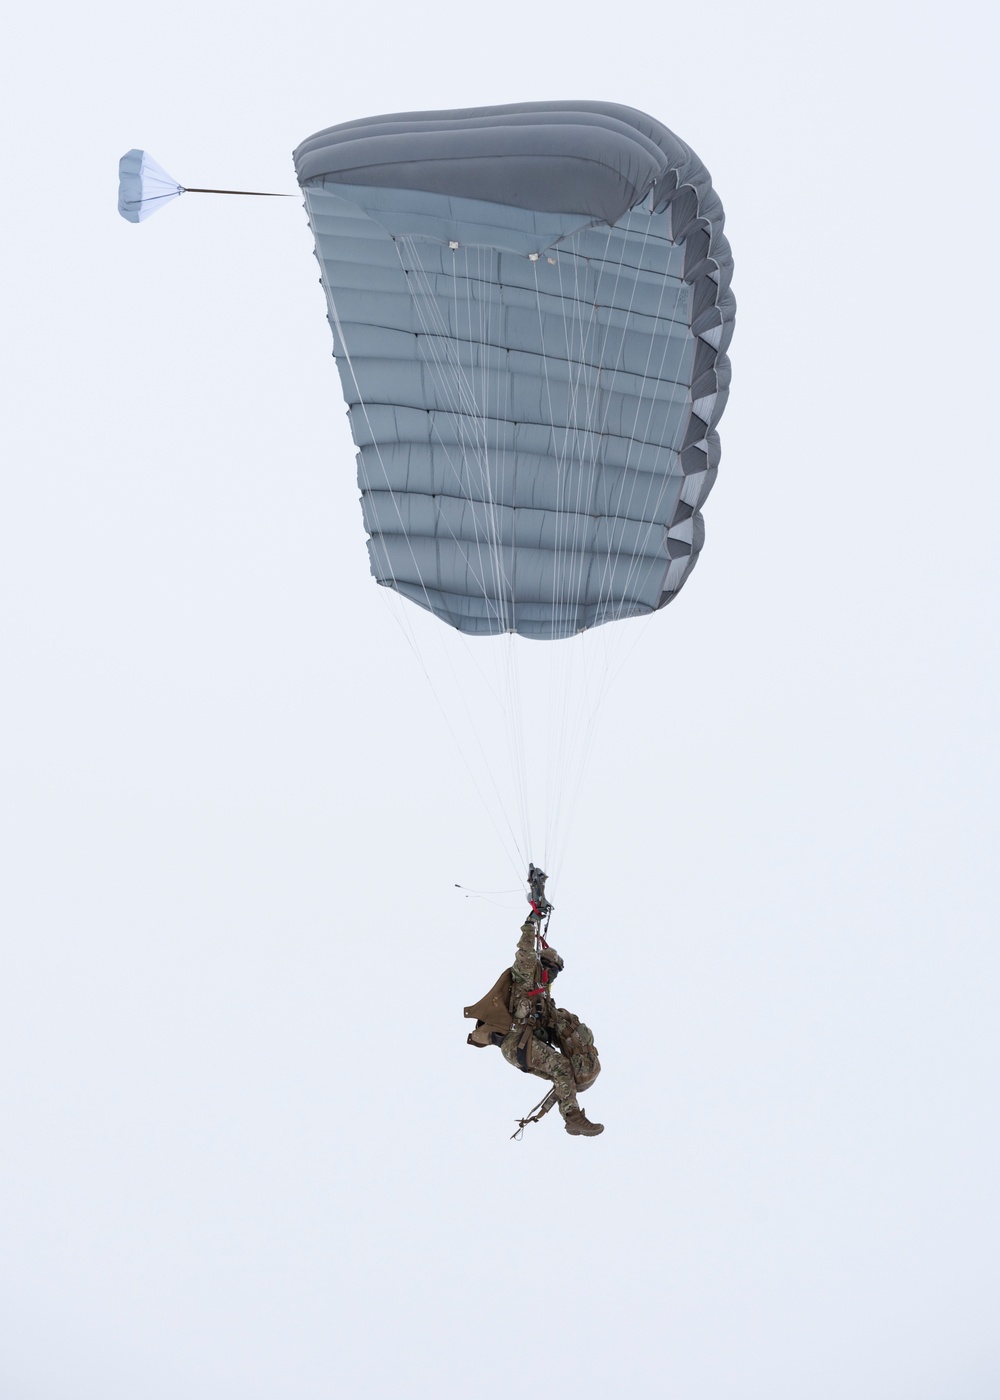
(534, 1035)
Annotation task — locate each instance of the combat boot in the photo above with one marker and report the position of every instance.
(579, 1125)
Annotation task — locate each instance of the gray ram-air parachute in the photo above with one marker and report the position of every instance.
(530, 308)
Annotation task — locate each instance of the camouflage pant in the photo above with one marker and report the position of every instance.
(546, 1062)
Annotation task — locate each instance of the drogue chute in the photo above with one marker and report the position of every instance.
(144, 187)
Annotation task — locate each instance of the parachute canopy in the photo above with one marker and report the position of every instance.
(530, 308)
(143, 186)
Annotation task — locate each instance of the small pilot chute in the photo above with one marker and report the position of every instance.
(143, 186)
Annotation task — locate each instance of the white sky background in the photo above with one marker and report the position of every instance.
(247, 1153)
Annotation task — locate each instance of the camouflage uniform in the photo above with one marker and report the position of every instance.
(525, 1046)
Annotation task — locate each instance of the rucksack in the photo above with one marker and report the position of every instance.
(492, 1012)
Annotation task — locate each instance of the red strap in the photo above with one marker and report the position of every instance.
(536, 911)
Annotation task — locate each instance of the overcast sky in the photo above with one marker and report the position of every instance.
(247, 1154)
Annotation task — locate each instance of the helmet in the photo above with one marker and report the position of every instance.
(549, 958)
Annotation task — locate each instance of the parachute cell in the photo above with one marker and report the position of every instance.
(530, 307)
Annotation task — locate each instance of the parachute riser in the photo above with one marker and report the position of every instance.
(540, 916)
(540, 906)
(541, 909)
